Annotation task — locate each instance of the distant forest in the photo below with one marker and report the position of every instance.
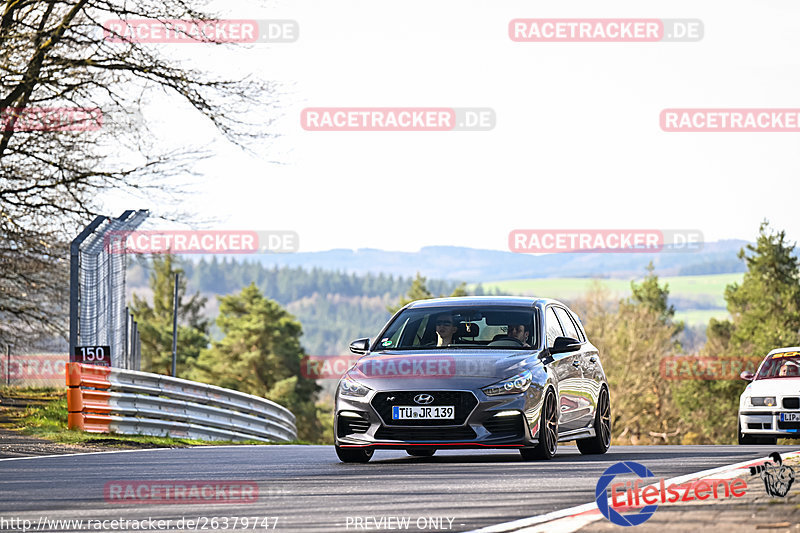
(333, 307)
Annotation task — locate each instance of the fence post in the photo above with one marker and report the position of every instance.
(74, 283)
(8, 365)
(175, 327)
(97, 286)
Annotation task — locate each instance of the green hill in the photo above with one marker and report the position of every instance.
(696, 298)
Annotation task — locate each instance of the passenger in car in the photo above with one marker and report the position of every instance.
(446, 327)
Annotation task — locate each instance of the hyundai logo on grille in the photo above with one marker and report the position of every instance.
(423, 399)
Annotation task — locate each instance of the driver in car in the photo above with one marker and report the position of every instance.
(519, 332)
(789, 368)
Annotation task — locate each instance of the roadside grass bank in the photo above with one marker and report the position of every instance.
(42, 413)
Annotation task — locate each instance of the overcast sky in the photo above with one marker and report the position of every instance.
(577, 142)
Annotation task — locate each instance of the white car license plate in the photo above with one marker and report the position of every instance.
(790, 417)
(413, 412)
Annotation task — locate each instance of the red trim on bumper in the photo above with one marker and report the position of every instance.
(432, 445)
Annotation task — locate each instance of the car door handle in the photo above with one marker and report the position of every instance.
(576, 363)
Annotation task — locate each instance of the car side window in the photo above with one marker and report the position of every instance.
(551, 327)
(566, 323)
(578, 325)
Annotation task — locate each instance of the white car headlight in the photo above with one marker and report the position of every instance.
(762, 401)
(348, 387)
(513, 385)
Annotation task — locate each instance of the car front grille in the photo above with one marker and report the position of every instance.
(464, 402)
(791, 403)
(425, 434)
(506, 426)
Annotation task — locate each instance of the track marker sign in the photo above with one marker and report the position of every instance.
(93, 355)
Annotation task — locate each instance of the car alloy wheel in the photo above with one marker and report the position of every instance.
(548, 431)
(602, 428)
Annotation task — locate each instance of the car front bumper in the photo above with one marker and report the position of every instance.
(484, 422)
(768, 423)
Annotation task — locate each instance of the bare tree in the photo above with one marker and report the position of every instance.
(57, 54)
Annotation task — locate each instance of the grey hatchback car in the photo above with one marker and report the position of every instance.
(474, 372)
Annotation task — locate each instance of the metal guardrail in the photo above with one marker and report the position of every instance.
(114, 400)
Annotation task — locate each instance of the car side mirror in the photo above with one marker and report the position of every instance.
(360, 346)
(747, 376)
(565, 344)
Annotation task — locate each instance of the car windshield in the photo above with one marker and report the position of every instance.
(780, 365)
(441, 327)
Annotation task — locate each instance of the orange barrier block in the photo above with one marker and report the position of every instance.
(96, 401)
(79, 375)
(89, 422)
(83, 404)
(73, 374)
(74, 400)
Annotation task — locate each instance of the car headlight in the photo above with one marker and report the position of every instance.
(762, 401)
(512, 385)
(348, 387)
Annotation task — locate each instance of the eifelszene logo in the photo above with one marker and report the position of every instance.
(626, 467)
(778, 477)
(629, 495)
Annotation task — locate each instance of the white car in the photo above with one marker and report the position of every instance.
(770, 405)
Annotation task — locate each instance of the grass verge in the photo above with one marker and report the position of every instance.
(42, 413)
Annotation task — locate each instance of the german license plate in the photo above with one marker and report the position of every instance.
(414, 412)
(790, 417)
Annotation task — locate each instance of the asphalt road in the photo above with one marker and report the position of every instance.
(307, 489)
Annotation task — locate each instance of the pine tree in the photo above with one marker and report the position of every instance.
(765, 314)
(419, 291)
(261, 355)
(155, 321)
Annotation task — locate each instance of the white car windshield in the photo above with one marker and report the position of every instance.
(780, 365)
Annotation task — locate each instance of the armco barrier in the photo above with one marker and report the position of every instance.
(112, 400)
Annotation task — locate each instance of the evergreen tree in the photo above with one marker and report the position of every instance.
(765, 311)
(155, 321)
(419, 291)
(261, 355)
